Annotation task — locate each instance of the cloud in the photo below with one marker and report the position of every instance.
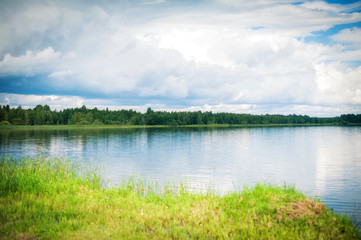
(155, 2)
(323, 6)
(349, 35)
(30, 63)
(161, 54)
(29, 26)
(254, 4)
(30, 101)
(61, 74)
(336, 85)
(350, 40)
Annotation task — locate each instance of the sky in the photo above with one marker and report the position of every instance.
(240, 56)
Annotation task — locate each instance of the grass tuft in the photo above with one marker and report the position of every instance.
(53, 198)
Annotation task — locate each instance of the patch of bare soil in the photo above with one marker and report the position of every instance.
(302, 208)
(25, 236)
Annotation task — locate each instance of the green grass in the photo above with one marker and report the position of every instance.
(43, 198)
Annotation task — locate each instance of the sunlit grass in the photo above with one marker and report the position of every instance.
(51, 198)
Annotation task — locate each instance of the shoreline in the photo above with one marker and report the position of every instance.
(58, 199)
(56, 127)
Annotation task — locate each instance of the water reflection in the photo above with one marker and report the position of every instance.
(321, 161)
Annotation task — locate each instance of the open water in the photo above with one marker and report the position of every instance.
(324, 162)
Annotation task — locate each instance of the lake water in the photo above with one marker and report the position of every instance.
(321, 161)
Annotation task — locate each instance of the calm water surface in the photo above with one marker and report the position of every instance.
(320, 161)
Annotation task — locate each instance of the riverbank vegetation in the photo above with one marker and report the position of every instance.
(120, 126)
(43, 115)
(42, 198)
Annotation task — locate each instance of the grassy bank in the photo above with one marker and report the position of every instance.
(56, 127)
(56, 199)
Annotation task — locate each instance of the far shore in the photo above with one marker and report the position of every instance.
(51, 127)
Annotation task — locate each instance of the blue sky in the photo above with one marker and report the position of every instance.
(261, 56)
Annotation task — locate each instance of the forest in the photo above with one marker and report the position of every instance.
(43, 115)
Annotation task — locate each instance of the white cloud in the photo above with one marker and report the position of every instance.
(61, 74)
(253, 4)
(349, 35)
(30, 63)
(336, 8)
(321, 5)
(350, 40)
(155, 2)
(30, 101)
(196, 57)
(36, 24)
(337, 85)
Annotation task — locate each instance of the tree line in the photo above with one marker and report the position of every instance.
(43, 115)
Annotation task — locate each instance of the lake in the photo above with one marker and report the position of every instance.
(321, 161)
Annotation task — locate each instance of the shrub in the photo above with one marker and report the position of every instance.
(5, 123)
(83, 122)
(97, 122)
